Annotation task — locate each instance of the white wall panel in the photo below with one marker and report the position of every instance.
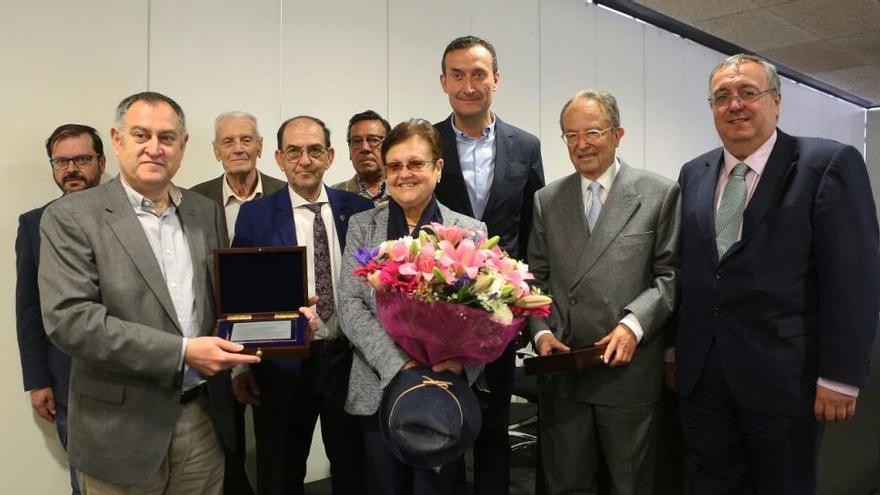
(699, 62)
(667, 126)
(228, 63)
(61, 62)
(334, 64)
(568, 64)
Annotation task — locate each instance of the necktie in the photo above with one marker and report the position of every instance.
(595, 205)
(729, 216)
(323, 274)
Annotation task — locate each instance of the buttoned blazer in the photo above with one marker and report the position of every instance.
(377, 359)
(628, 264)
(797, 297)
(213, 189)
(519, 172)
(105, 303)
(42, 364)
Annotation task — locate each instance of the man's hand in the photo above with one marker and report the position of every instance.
(211, 355)
(245, 388)
(621, 344)
(548, 343)
(43, 402)
(311, 316)
(453, 365)
(833, 406)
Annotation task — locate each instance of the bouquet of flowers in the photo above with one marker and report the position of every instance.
(450, 293)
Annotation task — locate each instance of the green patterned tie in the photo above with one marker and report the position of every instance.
(729, 216)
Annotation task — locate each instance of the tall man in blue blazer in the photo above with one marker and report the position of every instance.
(780, 282)
(491, 172)
(76, 154)
(289, 395)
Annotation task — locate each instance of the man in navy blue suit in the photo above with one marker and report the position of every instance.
(780, 285)
(76, 154)
(289, 395)
(491, 172)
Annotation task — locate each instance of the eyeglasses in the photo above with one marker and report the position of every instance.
(372, 140)
(412, 166)
(293, 153)
(592, 136)
(747, 95)
(81, 161)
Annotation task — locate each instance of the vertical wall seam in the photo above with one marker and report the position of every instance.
(149, 36)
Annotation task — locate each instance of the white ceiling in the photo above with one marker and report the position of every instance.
(834, 41)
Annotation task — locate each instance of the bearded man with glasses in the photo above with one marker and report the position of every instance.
(76, 154)
(366, 131)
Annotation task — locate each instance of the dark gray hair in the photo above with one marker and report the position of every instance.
(604, 98)
(151, 98)
(743, 58)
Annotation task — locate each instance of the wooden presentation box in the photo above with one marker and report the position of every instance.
(258, 293)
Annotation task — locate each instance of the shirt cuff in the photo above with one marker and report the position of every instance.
(538, 337)
(669, 355)
(182, 354)
(631, 322)
(841, 388)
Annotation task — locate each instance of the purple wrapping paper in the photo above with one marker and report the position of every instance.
(435, 332)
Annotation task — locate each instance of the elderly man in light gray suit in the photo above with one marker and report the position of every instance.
(125, 283)
(605, 243)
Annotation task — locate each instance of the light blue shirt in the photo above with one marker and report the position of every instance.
(477, 159)
(168, 243)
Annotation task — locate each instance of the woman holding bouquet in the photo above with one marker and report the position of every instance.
(413, 164)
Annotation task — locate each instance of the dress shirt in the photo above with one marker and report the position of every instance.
(477, 159)
(606, 180)
(756, 163)
(232, 203)
(168, 242)
(378, 199)
(303, 220)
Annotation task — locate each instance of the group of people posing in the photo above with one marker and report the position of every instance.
(751, 286)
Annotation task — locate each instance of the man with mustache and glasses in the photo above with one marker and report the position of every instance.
(290, 395)
(366, 131)
(76, 154)
(492, 170)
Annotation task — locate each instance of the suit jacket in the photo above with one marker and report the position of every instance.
(349, 185)
(42, 364)
(628, 264)
(106, 304)
(377, 359)
(519, 172)
(798, 296)
(213, 189)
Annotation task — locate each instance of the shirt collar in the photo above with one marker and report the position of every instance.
(297, 201)
(228, 192)
(606, 179)
(140, 202)
(488, 131)
(756, 161)
(366, 193)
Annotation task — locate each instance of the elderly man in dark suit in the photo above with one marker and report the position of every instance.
(289, 395)
(492, 172)
(780, 289)
(604, 242)
(76, 154)
(125, 285)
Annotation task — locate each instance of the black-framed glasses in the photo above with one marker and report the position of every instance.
(412, 166)
(592, 136)
(81, 161)
(372, 140)
(293, 153)
(747, 95)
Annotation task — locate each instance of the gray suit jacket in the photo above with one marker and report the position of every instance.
(349, 185)
(628, 265)
(377, 359)
(105, 303)
(213, 189)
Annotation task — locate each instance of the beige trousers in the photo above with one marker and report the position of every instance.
(194, 464)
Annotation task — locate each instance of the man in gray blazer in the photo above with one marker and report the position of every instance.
(604, 242)
(125, 282)
(237, 145)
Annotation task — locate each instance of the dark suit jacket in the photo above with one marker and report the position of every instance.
(42, 364)
(105, 303)
(797, 297)
(519, 172)
(213, 189)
